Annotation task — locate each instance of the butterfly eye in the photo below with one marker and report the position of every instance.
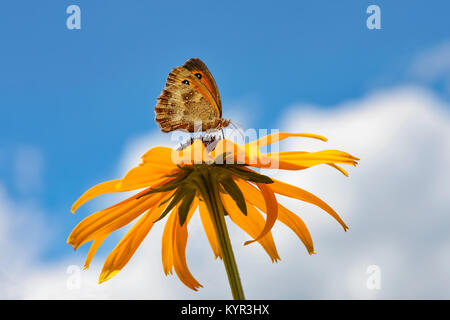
(198, 75)
(186, 82)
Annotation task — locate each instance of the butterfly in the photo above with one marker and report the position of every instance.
(190, 100)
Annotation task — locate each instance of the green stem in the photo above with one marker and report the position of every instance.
(217, 215)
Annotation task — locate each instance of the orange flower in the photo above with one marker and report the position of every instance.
(217, 179)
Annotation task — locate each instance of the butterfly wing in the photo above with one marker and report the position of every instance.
(184, 102)
(195, 66)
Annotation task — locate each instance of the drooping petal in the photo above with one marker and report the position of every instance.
(180, 236)
(93, 249)
(100, 216)
(146, 176)
(253, 224)
(297, 225)
(345, 173)
(99, 189)
(166, 244)
(303, 195)
(209, 229)
(125, 249)
(100, 239)
(271, 210)
(291, 220)
(252, 194)
(111, 219)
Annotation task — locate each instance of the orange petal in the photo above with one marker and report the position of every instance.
(146, 176)
(291, 220)
(195, 153)
(180, 236)
(303, 195)
(101, 188)
(271, 210)
(209, 229)
(157, 165)
(247, 154)
(166, 247)
(338, 168)
(298, 160)
(93, 249)
(253, 224)
(305, 158)
(297, 225)
(272, 138)
(286, 165)
(317, 154)
(111, 219)
(256, 159)
(167, 239)
(125, 249)
(252, 194)
(105, 213)
(235, 153)
(159, 156)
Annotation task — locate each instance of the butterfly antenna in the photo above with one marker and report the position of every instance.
(223, 132)
(238, 127)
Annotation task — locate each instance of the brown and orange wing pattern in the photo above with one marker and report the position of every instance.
(196, 66)
(190, 97)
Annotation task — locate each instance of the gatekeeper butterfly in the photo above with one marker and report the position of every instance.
(190, 99)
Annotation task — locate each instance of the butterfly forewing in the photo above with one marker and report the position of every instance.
(196, 65)
(183, 102)
(189, 98)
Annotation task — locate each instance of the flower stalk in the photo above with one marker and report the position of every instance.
(217, 214)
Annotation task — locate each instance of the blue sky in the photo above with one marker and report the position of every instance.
(78, 96)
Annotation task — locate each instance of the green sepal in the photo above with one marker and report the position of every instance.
(174, 183)
(221, 158)
(176, 198)
(166, 200)
(233, 190)
(185, 205)
(249, 175)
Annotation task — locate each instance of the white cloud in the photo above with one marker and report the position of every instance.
(433, 63)
(396, 203)
(21, 238)
(432, 67)
(28, 169)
